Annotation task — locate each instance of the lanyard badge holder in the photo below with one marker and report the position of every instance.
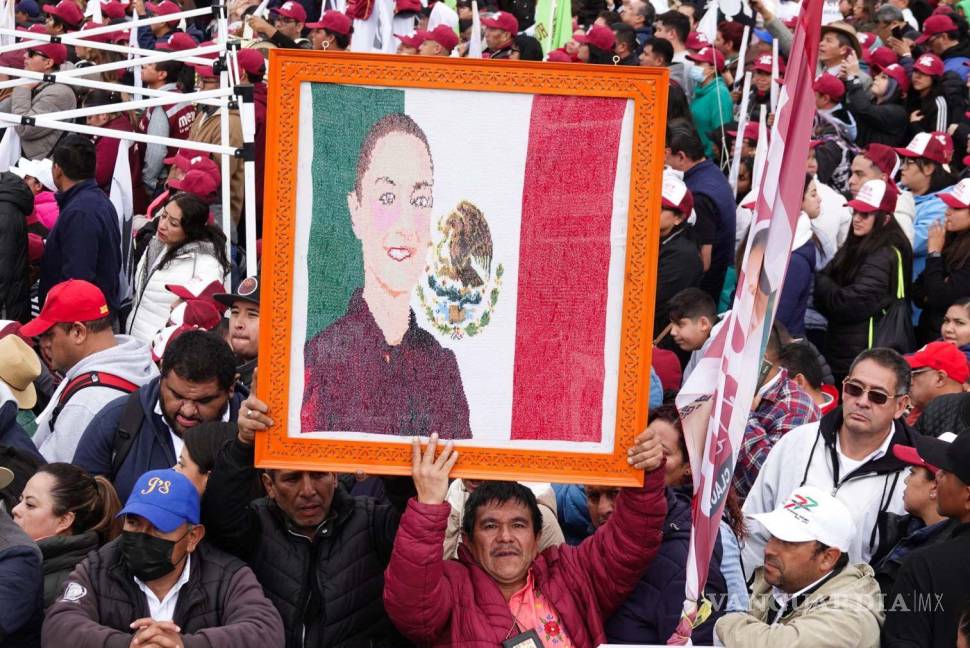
(527, 639)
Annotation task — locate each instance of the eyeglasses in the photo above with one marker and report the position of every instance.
(917, 372)
(280, 20)
(876, 397)
(908, 161)
(36, 53)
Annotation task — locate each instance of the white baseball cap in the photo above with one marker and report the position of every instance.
(810, 514)
(40, 169)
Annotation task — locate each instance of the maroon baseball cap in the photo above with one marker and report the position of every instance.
(697, 41)
(292, 10)
(936, 147)
(67, 11)
(177, 42)
(190, 160)
(874, 195)
(929, 64)
(709, 55)
(897, 73)
(401, 6)
(935, 25)
(196, 288)
(866, 40)
(880, 57)
(54, 51)
(413, 40)
(763, 64)
(113, 10)
(74, 300)
(199, 313)
(674, 194)
(829, 84)
(197, 183)
(335, 23)
(559, 56)
(750, 131)
(502, 20)
(251, 61)
(164, 8)
(97, 38)
(598, 36)
(958, 197)
(941, 356)
(443, 35)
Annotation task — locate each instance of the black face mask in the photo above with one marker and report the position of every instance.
(148, 558)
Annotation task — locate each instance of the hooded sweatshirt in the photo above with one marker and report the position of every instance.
(16, 203)
(131, 360)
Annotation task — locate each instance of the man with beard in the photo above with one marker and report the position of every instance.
(143, 431)
(848, 454)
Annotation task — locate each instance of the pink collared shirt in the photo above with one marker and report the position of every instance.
(532, 610)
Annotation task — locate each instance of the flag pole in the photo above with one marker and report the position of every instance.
(742, 124)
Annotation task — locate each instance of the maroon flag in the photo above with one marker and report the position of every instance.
(716, 399)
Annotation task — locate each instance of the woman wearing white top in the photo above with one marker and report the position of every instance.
(185, 246)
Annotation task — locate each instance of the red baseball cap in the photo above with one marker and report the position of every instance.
(400, 6)
(165, 337)
(443, 35)
(675, 195)
(750, 131)
(958, 197)
(335, 23)
(929, 64)
(177, 42)
(897, 73)
(414, 40)
(74, 300)
(291, 9)
(598, 36)
(97, 38)
(559, 56)
(709, 55)
(880, 57)
(935, 25)
(164, 8)
(874, 195)
(502, 20)
(251, 61)
(936, 147)
(198, 183)
(56, 52)
(189, 160)
(829, 84)
(196, 288)
(697, 41)
(67, 11)
(942, 356)
(114, 10)
(866, 39)
(763, 64)
(199, 313)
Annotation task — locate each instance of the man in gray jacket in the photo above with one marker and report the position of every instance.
(39, 99)
(75, 333)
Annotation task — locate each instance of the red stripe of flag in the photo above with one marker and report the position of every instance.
(564, 254)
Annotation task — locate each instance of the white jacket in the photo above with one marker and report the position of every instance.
(153, 302)
(131, 360)
(804, 457)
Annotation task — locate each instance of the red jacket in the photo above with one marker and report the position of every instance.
(456, 603)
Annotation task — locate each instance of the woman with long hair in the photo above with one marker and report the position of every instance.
(186, 246)
(928, 102)
(860, 282)
(68, 513)
(956, 325)
(796, 292)
(880, 113)
(946, 277)
(651, 612)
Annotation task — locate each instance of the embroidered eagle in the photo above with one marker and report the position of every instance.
(469, 245)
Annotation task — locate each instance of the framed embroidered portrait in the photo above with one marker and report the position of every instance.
(460, 247)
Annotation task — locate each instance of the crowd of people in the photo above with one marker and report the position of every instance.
(131, 512)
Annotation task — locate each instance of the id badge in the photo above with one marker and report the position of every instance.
(528, 639)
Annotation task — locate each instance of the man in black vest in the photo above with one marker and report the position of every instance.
(319, 553)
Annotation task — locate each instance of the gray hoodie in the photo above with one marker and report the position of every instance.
(131, 360)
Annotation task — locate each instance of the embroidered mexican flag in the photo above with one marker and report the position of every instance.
(521, 273)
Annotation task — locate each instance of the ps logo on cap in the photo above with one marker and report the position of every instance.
(163, 486)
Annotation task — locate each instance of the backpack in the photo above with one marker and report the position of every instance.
(89, 379)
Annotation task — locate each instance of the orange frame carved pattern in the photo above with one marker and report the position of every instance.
(646, 88)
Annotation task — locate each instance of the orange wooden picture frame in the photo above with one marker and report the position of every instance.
(646, 87)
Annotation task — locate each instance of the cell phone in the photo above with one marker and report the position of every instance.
(897, 32)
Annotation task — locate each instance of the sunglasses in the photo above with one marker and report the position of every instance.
(855, 390)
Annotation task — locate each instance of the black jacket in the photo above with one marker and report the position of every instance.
(930, 592)
(934, 291)
(879, 123)
(328, 590)
(16, 203)
(220, 606)
(61, 555)
(21, 608)
(849, 307)
(679, 267)
(947, 413)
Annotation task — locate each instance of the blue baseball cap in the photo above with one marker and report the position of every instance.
(165, 498)
(28, 7)
(763, 35)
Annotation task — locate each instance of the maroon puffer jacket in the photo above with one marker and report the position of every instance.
(455, 603)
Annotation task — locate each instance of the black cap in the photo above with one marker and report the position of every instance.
(248, 290)
(952, 457)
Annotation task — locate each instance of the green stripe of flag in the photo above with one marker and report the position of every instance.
(342, 116)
